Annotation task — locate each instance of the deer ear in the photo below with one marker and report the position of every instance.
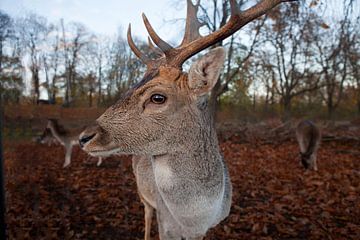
(205, 72)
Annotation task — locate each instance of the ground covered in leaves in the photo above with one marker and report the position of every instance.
(273, 197)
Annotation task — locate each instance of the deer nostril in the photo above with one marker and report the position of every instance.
(85, 139)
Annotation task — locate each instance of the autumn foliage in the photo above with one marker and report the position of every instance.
(273, 196)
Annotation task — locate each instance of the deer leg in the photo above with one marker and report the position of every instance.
(99, 161)
(315, 164)
(68, 150)
(149, 210)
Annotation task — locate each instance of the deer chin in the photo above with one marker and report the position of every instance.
(104, 153)
(97, 148)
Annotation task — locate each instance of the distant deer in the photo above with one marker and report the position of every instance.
(308, 136)
(67, 138)
(166, 118)
(47, 138)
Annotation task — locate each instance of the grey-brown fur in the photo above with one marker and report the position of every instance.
(183, 176)
(46, 138)
(308, 136)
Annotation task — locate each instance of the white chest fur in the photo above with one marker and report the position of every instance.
(163, 174)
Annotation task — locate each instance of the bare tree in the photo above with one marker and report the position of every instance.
(354, 61)
(6, 32)
(289, 39)
(51, 62)
(11, 82)
(124, 67)
(214, 16)
(32, 32)
(333, 52)
(74, 38)
(97, 55)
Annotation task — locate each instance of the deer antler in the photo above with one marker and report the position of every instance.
(193, 42)
(134, 48)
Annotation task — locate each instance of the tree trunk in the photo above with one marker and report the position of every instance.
(99, 87)
(330, 108)
(48, 88)
(254, 101)
(53, 91)
(1, 54)
(90, 98)
(286, 108)
(36, 83)
(67, 89)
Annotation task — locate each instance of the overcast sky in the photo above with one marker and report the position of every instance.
(105, 16)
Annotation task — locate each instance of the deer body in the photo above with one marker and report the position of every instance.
(191, 206)
(46, 138)
(190, 180)
(166, 118)
(308, 136)
(66, 138)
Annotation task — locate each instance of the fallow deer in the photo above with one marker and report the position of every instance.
(308, 136)
(165, 118)
(66, 137)
(47, 138)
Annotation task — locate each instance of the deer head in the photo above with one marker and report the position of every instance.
(168, 106)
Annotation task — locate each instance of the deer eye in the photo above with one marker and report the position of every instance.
(158, 99)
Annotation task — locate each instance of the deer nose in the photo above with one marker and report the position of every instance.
(85, 138)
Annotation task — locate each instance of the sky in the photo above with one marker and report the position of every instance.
(106, 16)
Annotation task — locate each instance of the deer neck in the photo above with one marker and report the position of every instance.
(195, 157)
(191, 180)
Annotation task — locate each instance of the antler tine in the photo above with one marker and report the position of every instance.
(237, 20)
(153, 48)
(134, 48)
(164, 46)
(192, 42)
(193, 24)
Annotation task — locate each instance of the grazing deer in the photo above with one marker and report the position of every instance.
(308, 136)
(165, 118)
(66, 138)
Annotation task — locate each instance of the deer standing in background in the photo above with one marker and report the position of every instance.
(165, 119)
(46, 138)
(67, 138)
(308, 136)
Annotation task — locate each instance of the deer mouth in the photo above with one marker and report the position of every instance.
(103, 153)
(96, 142)
(96, 148)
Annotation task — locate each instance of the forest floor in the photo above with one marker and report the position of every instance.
(273, 196)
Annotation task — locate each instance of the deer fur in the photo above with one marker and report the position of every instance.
(67, 138)
(46, 137)
(183, 175)
(308, 136)
(166, 118)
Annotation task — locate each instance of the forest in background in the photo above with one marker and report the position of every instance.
(295, 61)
